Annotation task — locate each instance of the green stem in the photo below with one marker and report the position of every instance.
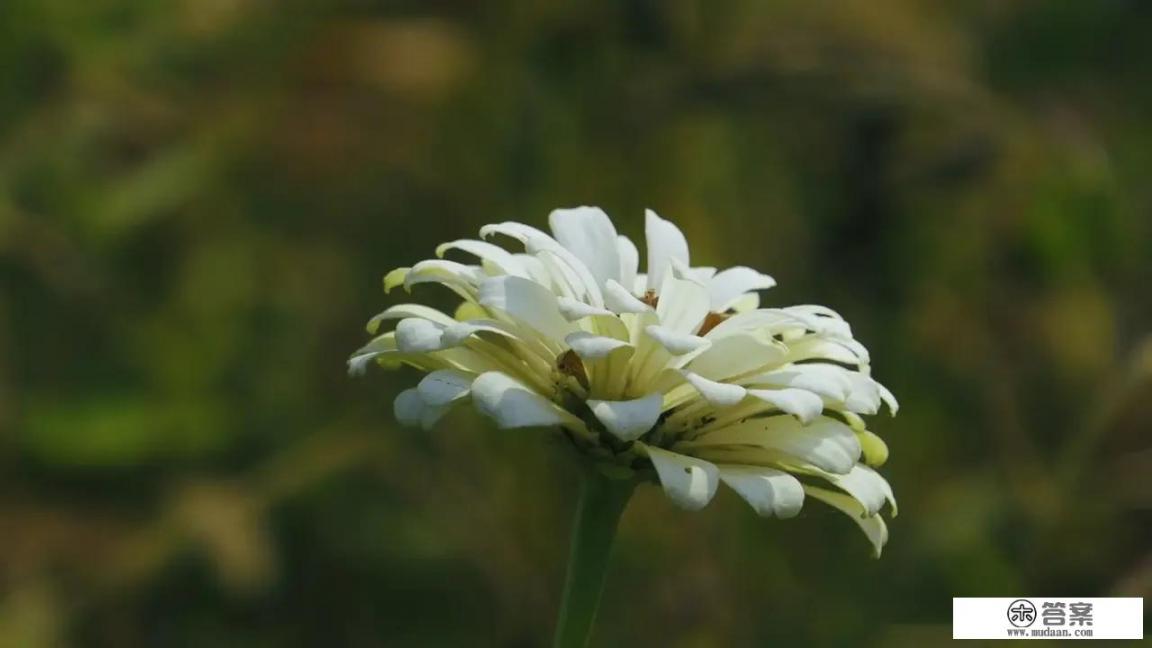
(602, 501)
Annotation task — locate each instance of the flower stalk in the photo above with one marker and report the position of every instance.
(602, 502)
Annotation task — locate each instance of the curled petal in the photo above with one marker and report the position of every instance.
(824, 380)
(873, 526)
(676, 343)
(629, 261)
(461, 278)
(444, 386)
(573, 309)
(621, 300)
(889, 399)
(593, 347)
(665, 243)
(716, 393)
(800, 403)
(817, 348)
(402, 311)
(458, 332)
(589, 234)
(395, 278)
(628, 420)
(727, 287)
(689, 482)
(358, 363)
(737, 355)
(536, 241)
(745, 303)
(875, 450)
(411, 410)
(512, 405)
(415, 335)
(378, 347)
(683, 305)
(769, 321)
(867, 487)
(527, 301)
(493, 255)
(770, 492)
(825, 443)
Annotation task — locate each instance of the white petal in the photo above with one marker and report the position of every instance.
(875, 450)
(395, 278)
(640, 284)
(358, 363)
(888, 399)
(873, 526)
(589, 234)
(401, 311)
(730, 285)
(702, 274)
(716, 393)
(800, 403)
(822, 379)
(736, 355)
(815, 309)
(536, 241)
(562, 279)
(816, 348)
(460, 358)
(444, 386)
(769, 321)
(496, 256)
(526, 301)
(460, 331)
(573, 310)
(512, 405)
(683, 305)
(460, 278)
(432, 416)
(665, 242)
(593, 347)
(412, 411)
(415, 335)
(834, 328)
(746, 302)
(610, 325)
(689, 482)
(629, 260)
(863, 398)
(825, 443)
(409, 407)
(582, 284)
(621, 300)
(770, 492)
(535, 268)
(867, 487)
(630, 419)
(380, 345)
(676, 343)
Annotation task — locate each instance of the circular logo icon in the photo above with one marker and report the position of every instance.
(1021, 613)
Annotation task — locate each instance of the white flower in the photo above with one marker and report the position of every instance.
(677, 372)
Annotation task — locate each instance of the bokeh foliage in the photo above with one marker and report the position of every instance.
(198, 199)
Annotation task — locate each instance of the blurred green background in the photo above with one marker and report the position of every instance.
(198, 199)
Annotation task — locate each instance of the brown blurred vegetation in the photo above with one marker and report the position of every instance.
(198, 199)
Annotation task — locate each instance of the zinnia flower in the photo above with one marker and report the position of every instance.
(677, 373)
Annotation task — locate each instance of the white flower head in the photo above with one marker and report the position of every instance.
(676, 373)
